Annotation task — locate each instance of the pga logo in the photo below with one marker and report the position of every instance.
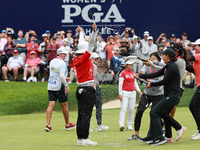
(113, 13)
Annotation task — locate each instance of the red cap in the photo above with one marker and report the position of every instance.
(15, 51)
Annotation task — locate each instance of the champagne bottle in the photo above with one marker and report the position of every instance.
(142, 81)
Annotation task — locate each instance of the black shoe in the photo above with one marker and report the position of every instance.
(146, 140)
(158, 142)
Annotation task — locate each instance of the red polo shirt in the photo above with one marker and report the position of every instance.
(84, 68)
(128, 84)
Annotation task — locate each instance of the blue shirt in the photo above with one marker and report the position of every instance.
(22, 41)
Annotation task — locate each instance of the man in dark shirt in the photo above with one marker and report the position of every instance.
(172, 92)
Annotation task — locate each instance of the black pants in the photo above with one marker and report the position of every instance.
(86, 99)
(144, 103)
(98, 104)
(161, 110)
(195, 107)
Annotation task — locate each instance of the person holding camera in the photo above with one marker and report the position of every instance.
(32, 46)
(110, 45)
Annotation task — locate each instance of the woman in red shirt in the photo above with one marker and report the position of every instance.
(127, 94)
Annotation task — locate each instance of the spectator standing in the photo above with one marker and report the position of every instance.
(110, 45)
(3, 39)
(69, 37)
(74, 45)
(188, 80)
(52, 49)
(7, 51)
(146, 35)
(185, 41)
(85, 93)
(100, 47)
(125, 48)
(66, 48)
(14, 64)
(127, 95)
(48, 35)
(59, 39)
(149, 48)
(115, 63)
(32, 46)
(58, 89)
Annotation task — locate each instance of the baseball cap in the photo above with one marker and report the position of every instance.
(135, 37)
(69, 31)
(129, 62)
(150, 38)
(44, 35)
(61, 51)
(3, 31)
(160, 45)
(47, 31)
(197, 42)
(15, 51)
(94, 55)
(170, 52)
(173, 35)
(146, 33)
(32, 52)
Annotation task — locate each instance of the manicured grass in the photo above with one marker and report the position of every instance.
(26, 132)
(24, 98)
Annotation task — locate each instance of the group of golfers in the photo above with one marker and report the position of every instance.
(163, 89)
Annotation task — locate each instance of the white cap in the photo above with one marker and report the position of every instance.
(150, 38)
(146, 33)
(44, 35)
(82, 47)
(94, 55)
(197, 42)
(61, 51)
(135, 37)
(129, 62)
(65, 40)
(32, 52)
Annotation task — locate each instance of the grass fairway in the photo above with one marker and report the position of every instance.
(26, 132)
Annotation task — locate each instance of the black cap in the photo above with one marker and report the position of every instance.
(173, 35)
(170, 52)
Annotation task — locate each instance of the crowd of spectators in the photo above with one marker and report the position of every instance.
(30, 56)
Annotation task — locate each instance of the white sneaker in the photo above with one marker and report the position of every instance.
(78, 142)
(102, 128)
(197, 132)
(197, 137)
(87, 142)
(180, 133)
(129, 128)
